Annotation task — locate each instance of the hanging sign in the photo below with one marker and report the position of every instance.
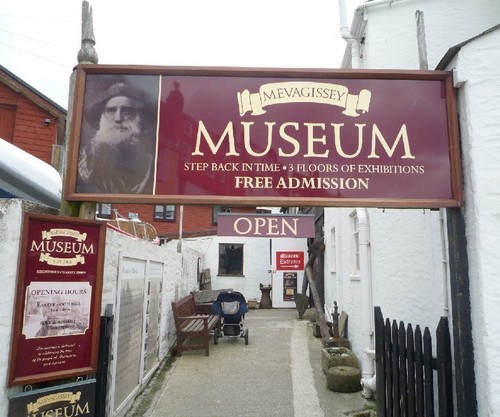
(264, 137)
(58, 299)
(265, 225)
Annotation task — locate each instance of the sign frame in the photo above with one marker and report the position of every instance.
(454, 176)
(68, 345)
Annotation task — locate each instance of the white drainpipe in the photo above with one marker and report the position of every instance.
(367, 360)
(348, 37)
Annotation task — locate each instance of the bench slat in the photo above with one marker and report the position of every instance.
(189, 323)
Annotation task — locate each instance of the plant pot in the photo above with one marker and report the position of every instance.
(343, 379)
(338, 356)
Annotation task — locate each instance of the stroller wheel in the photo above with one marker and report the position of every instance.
(246, 337)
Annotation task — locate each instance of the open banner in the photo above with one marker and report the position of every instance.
(162, 135)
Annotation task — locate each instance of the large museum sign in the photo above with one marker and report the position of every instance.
(264, 137)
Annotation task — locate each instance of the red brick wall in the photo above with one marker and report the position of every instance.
(29, 131)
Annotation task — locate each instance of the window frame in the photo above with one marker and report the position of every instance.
(164, 217)
(219, 209)
(99, 212)
(355, 257)
(225, 272)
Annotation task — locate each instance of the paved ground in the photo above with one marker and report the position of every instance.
(278, 374)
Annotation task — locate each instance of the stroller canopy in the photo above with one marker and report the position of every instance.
(230, 304)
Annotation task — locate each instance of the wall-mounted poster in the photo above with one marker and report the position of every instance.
(153, 316)
(289, 286)
(129, 334)
(267, 137)
(58, 299)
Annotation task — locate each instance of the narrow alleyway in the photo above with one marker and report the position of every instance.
(277, 374)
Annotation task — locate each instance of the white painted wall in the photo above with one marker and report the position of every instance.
(259, 259)
(391, 30)
(477, 66)
(405, 247)
(406, 269)
(256, 263)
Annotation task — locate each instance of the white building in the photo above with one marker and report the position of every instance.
(256, 265)
(398, 259)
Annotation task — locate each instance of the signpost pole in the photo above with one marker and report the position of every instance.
(86, 55)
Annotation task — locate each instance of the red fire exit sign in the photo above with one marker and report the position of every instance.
(289, 260)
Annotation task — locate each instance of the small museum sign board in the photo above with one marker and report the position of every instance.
(268, 137)
(74, 399)
(58, 299)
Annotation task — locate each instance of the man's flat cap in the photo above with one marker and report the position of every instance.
(94, 111)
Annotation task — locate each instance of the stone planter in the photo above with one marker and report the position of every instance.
(338, 356)
(343, 379)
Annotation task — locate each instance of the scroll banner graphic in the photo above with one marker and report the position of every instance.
(304, 92)
(48, 235)
(53, 398)
(78, 259)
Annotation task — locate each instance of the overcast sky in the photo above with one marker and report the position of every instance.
(39, 40)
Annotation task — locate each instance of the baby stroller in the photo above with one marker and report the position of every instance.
(231, 306)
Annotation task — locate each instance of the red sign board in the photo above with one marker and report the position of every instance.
(265, 137)
(265, 225)
(58, 299)
(289, 261)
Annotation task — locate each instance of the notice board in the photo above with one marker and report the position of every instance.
(58, 299)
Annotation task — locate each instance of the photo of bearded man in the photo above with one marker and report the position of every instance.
(118, 144)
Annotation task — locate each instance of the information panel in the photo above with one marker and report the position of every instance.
(130, 328)
(265, 137)
(153, 316)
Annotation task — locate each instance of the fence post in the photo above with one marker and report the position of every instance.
(428, 374)
(380, 362)
(443, 365)
(106, 331)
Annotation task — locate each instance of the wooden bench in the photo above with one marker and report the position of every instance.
(188, 323)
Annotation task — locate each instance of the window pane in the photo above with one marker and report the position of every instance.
(103, 210)
(230, 259)
(219, 209)
(166, 213)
